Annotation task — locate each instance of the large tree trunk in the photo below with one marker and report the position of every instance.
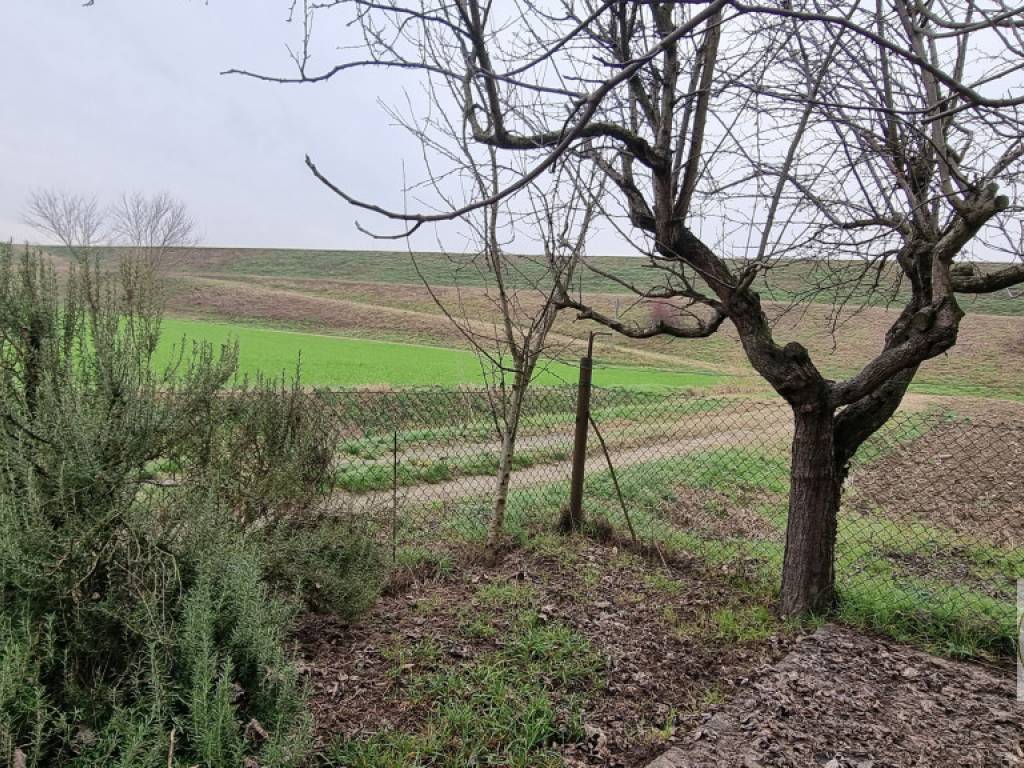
(508, 448)
(808, 570)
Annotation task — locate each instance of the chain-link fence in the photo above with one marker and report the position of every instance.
(930, 531)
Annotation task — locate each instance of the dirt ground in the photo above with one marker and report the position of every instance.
(773, 695)
(657, 672)
(717, 515)
(843, 700)
(974, 482)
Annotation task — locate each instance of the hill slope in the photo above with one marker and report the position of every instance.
(378, 295)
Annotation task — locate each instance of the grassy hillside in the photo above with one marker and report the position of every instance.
(785, 283)
(988, 360)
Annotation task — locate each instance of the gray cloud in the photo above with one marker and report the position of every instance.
(127, 95)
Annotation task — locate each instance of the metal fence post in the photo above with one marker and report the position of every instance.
(574, 520)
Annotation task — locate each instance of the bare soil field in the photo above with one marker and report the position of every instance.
(973, 482)
(241, 301)
(845, 700)
(785, 282)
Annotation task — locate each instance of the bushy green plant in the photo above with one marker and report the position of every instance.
(332, 564)
(143, 621)
(270, 448)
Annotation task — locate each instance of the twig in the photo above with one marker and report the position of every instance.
(615, 480)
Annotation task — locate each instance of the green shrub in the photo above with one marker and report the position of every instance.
(25, 651)
(191, 643)
(332, 564)
(269, 446)
(144, 623)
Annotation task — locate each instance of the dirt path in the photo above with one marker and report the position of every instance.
(619, 434)
(844, 700)
(463, 487)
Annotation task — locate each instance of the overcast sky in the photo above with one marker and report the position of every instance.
(126, 95)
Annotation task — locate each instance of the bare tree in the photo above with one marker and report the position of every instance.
(525, 295)
(77, 222)
(868, 139)
(146, 234)
(153, 228)
(523, 292)
(156, 228)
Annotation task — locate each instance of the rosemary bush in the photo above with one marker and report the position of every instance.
(151, 525)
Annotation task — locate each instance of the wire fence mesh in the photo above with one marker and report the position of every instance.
(930, 530)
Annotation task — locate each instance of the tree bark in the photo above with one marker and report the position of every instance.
(808, 570)
(508, 447)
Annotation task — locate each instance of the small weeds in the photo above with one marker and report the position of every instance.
(414, 564)
(426, 605)
(404, 659)
(590, 575)
(477, 627)
(743, 624)
(660, 581)
(728, 625)
(510, 707)
(709, 697)
(505, 594)
(554, 653)
(666, 729)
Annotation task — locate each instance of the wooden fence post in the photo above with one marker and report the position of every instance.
(573, 520)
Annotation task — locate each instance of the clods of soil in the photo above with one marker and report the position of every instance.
(965, 475)
(844, 700)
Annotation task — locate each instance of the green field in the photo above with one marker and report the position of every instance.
(335, 361)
